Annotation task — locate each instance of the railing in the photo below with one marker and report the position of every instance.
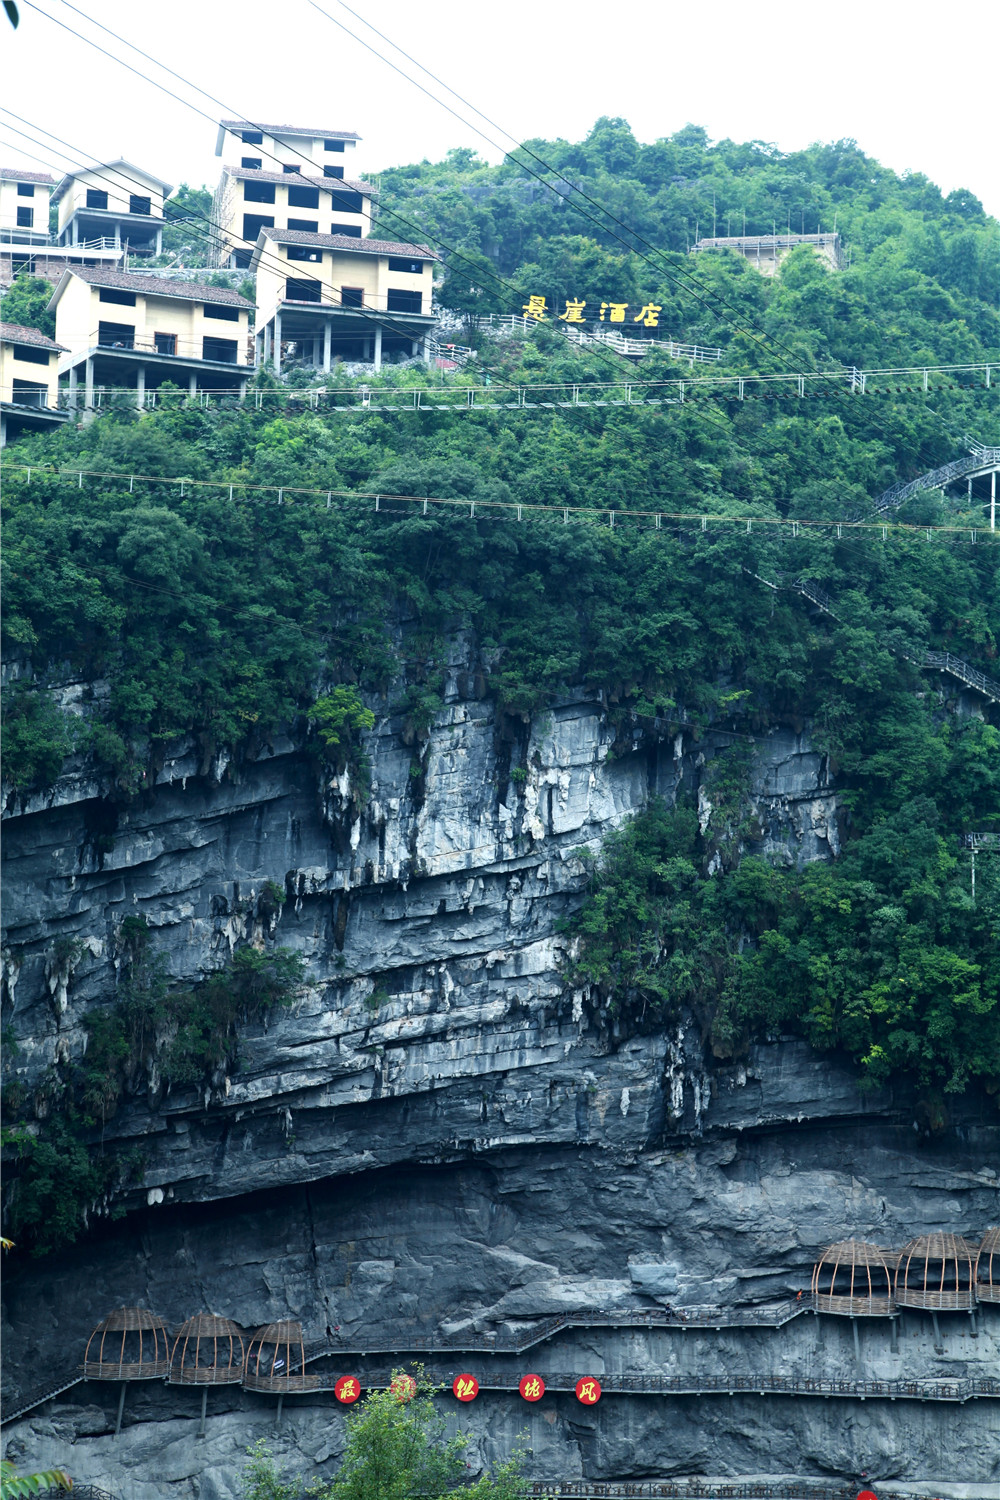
(774, 1315)
(699, 1489)
(517, 323)
(980, 457)
(934, 661)
(179, 348)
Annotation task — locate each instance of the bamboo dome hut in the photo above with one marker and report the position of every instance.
(276, 1361)
(207, 1351)
(130, 1344)
(937, 1272)
(988, 1267)
(852, 1278)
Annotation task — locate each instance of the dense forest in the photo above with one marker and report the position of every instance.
(198, 604)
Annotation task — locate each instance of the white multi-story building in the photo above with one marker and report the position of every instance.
(249, 199)
(112, 205)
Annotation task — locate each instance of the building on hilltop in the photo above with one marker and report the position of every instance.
(25, 242)
(272, 148)
(112, 205)
(334, 297)
(249, 199)
(765, 252)
(125, 330)
(29, 380)
(24, 206)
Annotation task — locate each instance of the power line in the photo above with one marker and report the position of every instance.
(681, 279)
(394, 214)
(266, 258)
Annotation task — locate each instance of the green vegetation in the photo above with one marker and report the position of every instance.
(233, 614)
(13, 1486)
(25, 302)
(154, 1035)
(882, 953)
(396, 1448)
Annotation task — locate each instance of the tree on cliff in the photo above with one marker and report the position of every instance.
(396, 1448)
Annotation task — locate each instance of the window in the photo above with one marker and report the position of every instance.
(304, 252)
(29, 393)
(25, 218)
(258, 192)
(165, 343)
(116, 335)
(353, 231)
(311, 226)
(222, 350)
(254, 223)
(112, 294)
(25, 190)
(303, 197)
(352, 296)
(404, 302)
(333, 145)
(137, 204)
(255, 163)
(346, 203)
(333, 172)
(252, 137)
(296, 170)
(224, 314)
(27, 356)
(399, 263)
(97, 198)
(302, 289)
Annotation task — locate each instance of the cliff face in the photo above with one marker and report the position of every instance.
(437, 1137)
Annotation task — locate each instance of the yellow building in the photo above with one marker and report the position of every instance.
(112, 205)
(334, 297)
(29, 380)
(248, 200)
(271, 148)
(24, 206)
(124, 330)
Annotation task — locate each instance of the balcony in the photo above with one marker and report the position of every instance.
(209, 348)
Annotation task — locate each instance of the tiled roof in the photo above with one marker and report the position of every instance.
(18, 174)
(159, 286)
(338, 135)
(13, 333)
(251, 174)
(346, 242)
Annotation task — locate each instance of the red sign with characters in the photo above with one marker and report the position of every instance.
(466, 1387)
(532, 1387)
(403, 1387)
(347, 1389)
(588, 1390)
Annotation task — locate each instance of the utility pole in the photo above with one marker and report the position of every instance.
(993, 500)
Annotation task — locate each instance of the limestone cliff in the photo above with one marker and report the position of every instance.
(438, 1136)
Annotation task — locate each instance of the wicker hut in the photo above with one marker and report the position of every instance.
(852, 1278)
(276, 1361)
(988, 1267)
(207, 1351)
(937, 1272)
(130, 1344)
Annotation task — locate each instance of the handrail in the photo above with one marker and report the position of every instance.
(980, 457)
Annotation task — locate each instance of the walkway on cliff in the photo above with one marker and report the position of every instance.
(773, 1315)
(931, 661)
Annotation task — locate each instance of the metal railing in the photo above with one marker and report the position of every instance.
(933, 661)
(980, 457)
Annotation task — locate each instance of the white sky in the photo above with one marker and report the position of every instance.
(910, 84)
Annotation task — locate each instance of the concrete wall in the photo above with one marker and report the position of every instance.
(80, 311)
(14, 367)
(336, 269)
(11, 200)
(119, 185)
